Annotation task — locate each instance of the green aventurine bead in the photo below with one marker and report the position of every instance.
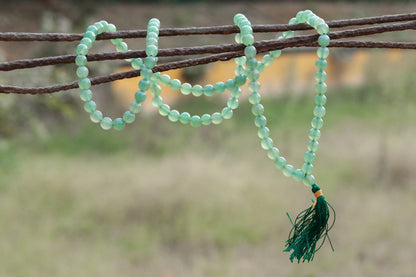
(146, 73)
(106, 123)
(151, 50)
(240, 60)
(232, 103)
(144, 85)
(230, 84)
(254, 98)
(164, 109)
(288, 170)
(314, 134)
(208, 90)
(323, 40)
(219, 87)
(322, 52)
(90, 35)
(140, 96)
(309, 181)
(149, 62)
(320, 99)
(317, 122)
(321, 88)
(184, 118)
(96, 116)
(227, 113)
(175, 84)
(82, 49)
(263, 132)
(87, 42)
(155, 90)
(93, 29)
(273, 153)
(216, 118)
(235, 92)
(280, 162)
(197, 90)
(307, 168)
(173, 115)
(85, 95)
(186, 88)
(119, 124)
(84, 83)
(157, 101)
(320, 76)
(253, 74)
(313, 145)
(254, 86)
(260, 67)
(81, 60)
(137, 63)
(275, 53)
(298, 175)
(135, 107)
(309, 157)
(250, 51)
(240, 80)
(239, 69)
(247, 39)
(206, 119)
(82, 72)
(195, 121)
(319, 111)
(90, 106)
(321, 64)
(267, 60)
(122, 47)
(257, 109)
(129, 117)
(251, 63)
(267, 143)
(260, 121)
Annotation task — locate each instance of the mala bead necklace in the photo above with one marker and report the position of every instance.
(310, 228)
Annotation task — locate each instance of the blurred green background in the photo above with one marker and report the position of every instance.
(162, 199)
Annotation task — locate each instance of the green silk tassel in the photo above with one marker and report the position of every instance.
(310, 226)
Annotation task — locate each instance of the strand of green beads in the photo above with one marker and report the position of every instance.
(84, 82)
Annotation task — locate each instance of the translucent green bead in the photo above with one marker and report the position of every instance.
(320, 76)
(257, 109)
(319, 111)
(263, 132)
(251, 63)
(152, 41)
(173, 115)
(321, 88)
(314, 134)
(122, 47)
(280, 162)
(273, 153)
(267, 60)
(311, 19)
(99, 26)
(253, 74)
(155, 90)
(238, 38)
(288, 34)
(186, 88)
(87, 42)
(152, 35)
(154, 78)
(119, 124)
(267, 143)
(237, 18)
(84, 83)
(254, 98)
(260, 67)
(90, 35)
(151, 50)
(288, 170)
(157, 101)
(208, 90)
(250, 51)
(275, 53)
(298, 174)
(137, 63)
(106, 123)
(105, 24)
(196, 121)
(227, 113)
(96, 116)
(149, 62)
(82, 72)
(81, 60)
(309, 157)
(322, 52)
(206, 119)
(175, 84)
(116, 41)
(239, 80)
(90, 106)
(247, 39)
(240, 60)
(307, 168)
(320, 99)
(300, 17)
(216, 118)
(293, 20)
(323, 40)
(219, 87)
(82, 49)
(135, 107)
(236, 92)
(239, 70)
(140, 96)
(146, 73)
(93, 29)
(185, 118)
(321, 64)
(309, 181)
(164, 109)
(254, 86)
(246, 30)
(230, 84)
(232, 103)
(317, 122)
(85, 95)
(260, 121)
(313, 145)
(197, 90)
(111, 28)
(153, 29)
(129, 117)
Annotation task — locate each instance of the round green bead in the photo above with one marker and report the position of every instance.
(135, 107)
(90, 35)
(157, 101)
(257, 109)
(307, 168)
(81, 60)
(321, 64)
(280, 162)
(288, 34)
(323, 40)
(253, 74)
(216, 118)
(322, 52)
(146, 73)
(232, 103)
(175, 84)
(119, 124)
(298, 175)
(239, 80)
(260, 67)
(85, 95)
(99, 26)
(206, 119)
(87, 42)
(314, 134)
(149, 62)
(320, 99)
(197, 90)
(254, 98)
(238, 38)
(140, 96)
(317, 122)
(195, 121)
(82, 72)
(164, 110)
(227, 113)
(82, 49)
(219, 87)
(267, 60)
(309, 157)
(96, 116)
(84, 83)
(144, 85)
(239, 70)
(267, 143)
(208, 90)
(293, 20)
(260, 121)
(185, 118)
(273, 153)
(116, 41)
(230, 84)
(151, 50)
(137, 63)
(90, 106)
(240, 60)
(321, 88)
(300, 17)
(263, 132)
(155, 90)
(186, 88)
(319, 111)
(173, 115)
(251, 63)
(129, 117)
(235, 92)
(320, 76)
(111, 28)
(288, 170)
(93, 29)
(309, 181)
(247, 39)
(106, 123)
(250, 51)
(254, 86)
(246, 30)
(122, 46)
(313, 145)
(275, 53)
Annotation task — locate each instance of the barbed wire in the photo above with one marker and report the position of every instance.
(221, 52)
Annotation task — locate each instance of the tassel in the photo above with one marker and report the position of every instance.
(310, 226)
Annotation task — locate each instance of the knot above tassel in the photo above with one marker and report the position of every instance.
(310, 226)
